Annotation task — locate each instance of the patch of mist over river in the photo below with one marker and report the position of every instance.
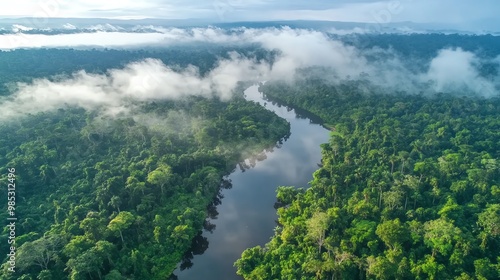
(246, 214)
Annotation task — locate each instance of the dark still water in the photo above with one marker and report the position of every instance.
(246, 216)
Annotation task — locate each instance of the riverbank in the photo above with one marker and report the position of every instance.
(246, 215)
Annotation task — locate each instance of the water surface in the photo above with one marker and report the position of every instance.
(246, 214)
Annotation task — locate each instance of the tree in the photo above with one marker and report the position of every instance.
(441, 235)
(285, 195)
(316, 228)
(40, 252)
(121, 222)
(160, 176)
(489, 220)
(134, 185)
(380, 267)
(393, 199)
(414, 184)
(337, 262)
(114, 275)
(250, 259)
(361, 232)
(314, 266)
(393, 233)
(485, 269)
(403, 156)
(94, 227)
(91, 261)
(115, 202)
(431, 267)
(84, 265)
(45, 275)
(77, 245)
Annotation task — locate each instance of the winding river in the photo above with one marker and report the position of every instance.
(246, 216)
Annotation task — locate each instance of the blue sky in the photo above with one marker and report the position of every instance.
(478, 14)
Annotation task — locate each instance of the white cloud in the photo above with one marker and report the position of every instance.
(18, 28)
(120, 88)
(454, 69)
(451, 70)
(69, 26)
(103, 39)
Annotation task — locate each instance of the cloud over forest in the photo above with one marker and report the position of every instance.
(452, 70)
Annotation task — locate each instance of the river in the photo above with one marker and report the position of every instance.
(247, 216)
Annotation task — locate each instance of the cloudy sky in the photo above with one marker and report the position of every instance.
(463, 13)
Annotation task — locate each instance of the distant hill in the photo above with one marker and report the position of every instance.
(76, 25)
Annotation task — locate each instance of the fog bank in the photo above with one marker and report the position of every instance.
(453, 70)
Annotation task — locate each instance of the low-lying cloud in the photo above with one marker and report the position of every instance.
(455, 69)
(452, 70)
(94, 39)
(118, 89)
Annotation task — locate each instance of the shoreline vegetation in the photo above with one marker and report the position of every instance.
(408, 188)
(107, 197)
(301, 113)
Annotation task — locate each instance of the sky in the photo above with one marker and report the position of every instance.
(467, 14)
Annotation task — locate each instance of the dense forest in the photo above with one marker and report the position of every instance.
(104, 197)
(408, 189)
(428, 44)
(408, 186)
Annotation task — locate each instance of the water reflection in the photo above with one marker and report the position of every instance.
(243, 214)
(198, 246)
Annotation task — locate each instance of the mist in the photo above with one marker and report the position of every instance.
(453, 70)
(119, 89)
(95, 39)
